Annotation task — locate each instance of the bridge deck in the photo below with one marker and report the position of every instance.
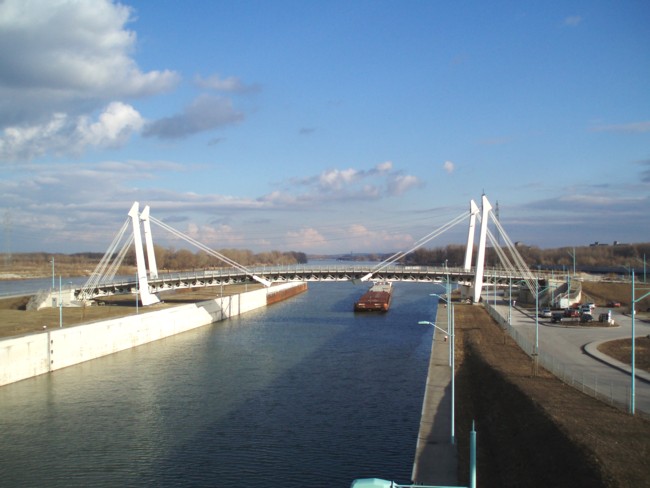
(283, 274)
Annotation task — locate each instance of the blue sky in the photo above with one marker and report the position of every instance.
(323, 127)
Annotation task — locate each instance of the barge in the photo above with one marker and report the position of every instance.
(377, 299)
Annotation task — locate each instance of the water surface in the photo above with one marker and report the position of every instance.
(303, 393)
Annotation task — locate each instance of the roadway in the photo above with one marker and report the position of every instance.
(570, 350)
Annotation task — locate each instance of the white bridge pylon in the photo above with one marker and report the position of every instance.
(480, 259)
(146, 296)
(143, 283)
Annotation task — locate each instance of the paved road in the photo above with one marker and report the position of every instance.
(573, 349)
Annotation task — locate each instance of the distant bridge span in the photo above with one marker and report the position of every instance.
(306, 273)
(149, 283)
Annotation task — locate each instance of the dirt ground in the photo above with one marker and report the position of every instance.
(621, 350)
(15, 320)
(534, 431)
(603, 292)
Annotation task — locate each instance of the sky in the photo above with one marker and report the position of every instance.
(323, 126)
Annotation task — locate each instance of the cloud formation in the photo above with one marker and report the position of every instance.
(205, 113)
(68, 56)
(630, 128)
(232, 84)
(449, 167)
(63, 134)
(348, 184)
(572, 20)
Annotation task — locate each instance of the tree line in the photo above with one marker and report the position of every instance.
(624, 256)
(167, 259)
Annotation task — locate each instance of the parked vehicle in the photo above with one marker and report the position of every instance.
(570, 312)
(545, 312)
(614, 304)
(586, 317)
(556, 318)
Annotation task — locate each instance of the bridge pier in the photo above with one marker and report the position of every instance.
(480, 260)
(473, 210)
(146, 296)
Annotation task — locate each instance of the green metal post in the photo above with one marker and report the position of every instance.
(632, 391)
(137, 292)
(60, 305)
(453, 375)
(472, 457)
(510, 301)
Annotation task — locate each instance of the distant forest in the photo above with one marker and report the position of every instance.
(621, 256)
(166, 259)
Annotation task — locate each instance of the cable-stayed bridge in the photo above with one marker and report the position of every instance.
(148, 283)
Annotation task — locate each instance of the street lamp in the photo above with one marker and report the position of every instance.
(634, 301)
(450, 333)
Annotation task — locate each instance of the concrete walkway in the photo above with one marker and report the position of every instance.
(436, 461)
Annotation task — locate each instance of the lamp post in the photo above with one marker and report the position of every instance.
(60, 305)
(452, 357)
(633, 387)
(536, 351)
(573, 255)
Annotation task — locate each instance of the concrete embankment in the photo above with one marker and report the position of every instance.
(35, 354)
(435, 455)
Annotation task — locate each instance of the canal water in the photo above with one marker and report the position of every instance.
(302, 393)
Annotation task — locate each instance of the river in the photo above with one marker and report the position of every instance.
(302, 393)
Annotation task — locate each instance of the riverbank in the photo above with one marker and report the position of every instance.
(55, 347)
(534, 430)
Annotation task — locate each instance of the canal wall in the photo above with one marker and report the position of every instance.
(36, 354)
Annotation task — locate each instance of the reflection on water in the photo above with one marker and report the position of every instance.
(304, 393)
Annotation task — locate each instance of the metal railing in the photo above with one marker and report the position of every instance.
(592, 385)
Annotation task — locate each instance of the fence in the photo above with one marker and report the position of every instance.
(615, 395)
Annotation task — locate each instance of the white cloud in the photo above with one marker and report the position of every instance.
(573, 20)
(377, 239)
(68, 57)
(335, 179)
(306, 238)
(231, 84)
(63, 134)
(631, 128)
(384, 167)
(205, 113)
(399, 184)
(345, 185)
(449, 167)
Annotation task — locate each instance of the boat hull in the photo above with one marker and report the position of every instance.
(377, 299)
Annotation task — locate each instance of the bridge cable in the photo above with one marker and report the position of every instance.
(99, 272)
(419, 243)
(211, 252)
(117, 262)
(519, 264)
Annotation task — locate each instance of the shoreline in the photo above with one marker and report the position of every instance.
(36, 353)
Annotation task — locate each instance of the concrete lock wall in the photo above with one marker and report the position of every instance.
(35, 354)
